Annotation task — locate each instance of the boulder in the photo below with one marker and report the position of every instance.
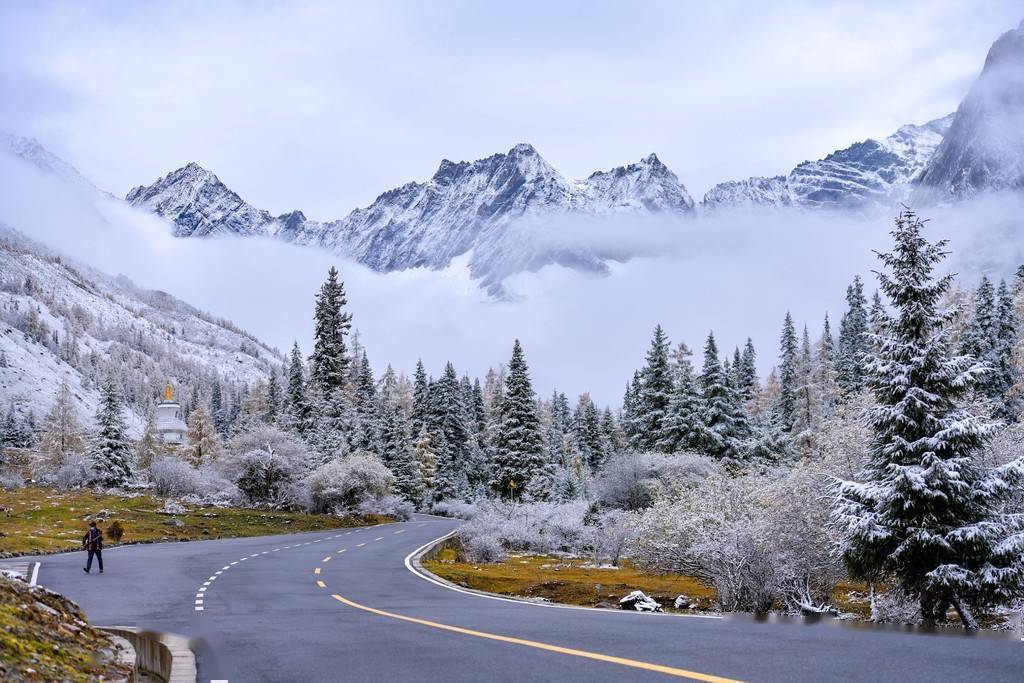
(639, 602)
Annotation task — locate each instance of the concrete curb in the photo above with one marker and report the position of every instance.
(166, 655)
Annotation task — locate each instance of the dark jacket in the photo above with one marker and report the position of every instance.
(93, 539)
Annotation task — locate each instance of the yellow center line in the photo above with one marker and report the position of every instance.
(317, 570)
(636, 664)
(321, 584)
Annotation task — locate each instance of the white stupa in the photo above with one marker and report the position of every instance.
(169, 425)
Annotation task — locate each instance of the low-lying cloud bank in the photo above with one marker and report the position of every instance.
(734, 273)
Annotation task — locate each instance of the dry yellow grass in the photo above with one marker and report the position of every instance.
(44, 520)
(567, 580)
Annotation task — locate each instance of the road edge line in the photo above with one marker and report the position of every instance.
(414, 565)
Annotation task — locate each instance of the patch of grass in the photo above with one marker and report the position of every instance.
(46, 520)
(45, 637)
(567, 580)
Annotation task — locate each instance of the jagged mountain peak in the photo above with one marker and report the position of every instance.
(984, 148)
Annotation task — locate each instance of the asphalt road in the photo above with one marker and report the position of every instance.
(287, 613)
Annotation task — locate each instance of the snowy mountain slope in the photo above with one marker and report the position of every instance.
(984, 148)
(463, 208)
(872, 172)
(29, 150)
(68, 322)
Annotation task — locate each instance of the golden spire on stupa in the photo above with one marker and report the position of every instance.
(167, 392)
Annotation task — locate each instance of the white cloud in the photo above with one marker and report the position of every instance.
(320, 106)
(734, 274)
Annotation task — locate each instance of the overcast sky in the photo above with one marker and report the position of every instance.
(321, 106)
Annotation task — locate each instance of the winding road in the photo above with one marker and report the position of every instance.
(344, 606)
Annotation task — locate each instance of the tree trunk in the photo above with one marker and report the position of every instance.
(964, 611)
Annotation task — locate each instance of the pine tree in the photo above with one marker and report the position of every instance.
(748, 365)
(824, 371)
(426, 462)
(518, 448)
(610, 433)
(110, 452)
(722, 422)
(557, 429)
(980, 333)
(679, 428)
(366, 435)
(927, 515)
(853, 340)
(1005, 373)
(448, 424)
(587, 433)
(62, 432)
(788, 380)
(655, 392)
(805, 411)
(329, 364)
(221, 420)
(203, 444)
(273, 398)
(420, 398)
(631, 410)
(298, 408)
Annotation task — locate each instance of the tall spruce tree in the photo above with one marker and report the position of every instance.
(927, 515)
(110, 453)
(788, 379)
(655, 393)
(518, 448)
(273, 409)
(722, 422)
(587, 433)
(298, 408)
(679, 429)
(805, 409)
(420, 398)
(329, 363)
(853, 340)
(1005, 373)
(825, 372)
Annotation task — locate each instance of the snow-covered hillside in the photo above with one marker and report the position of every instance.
(63, 322)
(29, 150)
(465, 207)
(868, 173)
(984, 148)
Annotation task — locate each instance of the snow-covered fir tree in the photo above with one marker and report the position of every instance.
(805, 409)
(366, 429)
(271, 414)
(651, 403)
(927, 516)
(1005, 372)
(420, 398)
(722, 422)
(788, 380)
(329, 363)
(425, 460)
(679, 429)
(297, 408)
(824, 371)
(518, 449)
(853, 340)
(149, 447)
(110, 450)
(587, 433)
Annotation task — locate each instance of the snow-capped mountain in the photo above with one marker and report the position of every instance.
(29, 150)
(872, 172)
(984, 147)
(63, 322)
(464, 207)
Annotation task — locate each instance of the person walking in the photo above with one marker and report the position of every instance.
(93, 542)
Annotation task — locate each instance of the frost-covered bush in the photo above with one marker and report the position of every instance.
(73, 471)
(392, 506)
(632, 481)
(527, 527)
(459, 509)
(482, 548)
(175, 478)
(342, 485)
(609, 535)
(760, 541)
(266, 465)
